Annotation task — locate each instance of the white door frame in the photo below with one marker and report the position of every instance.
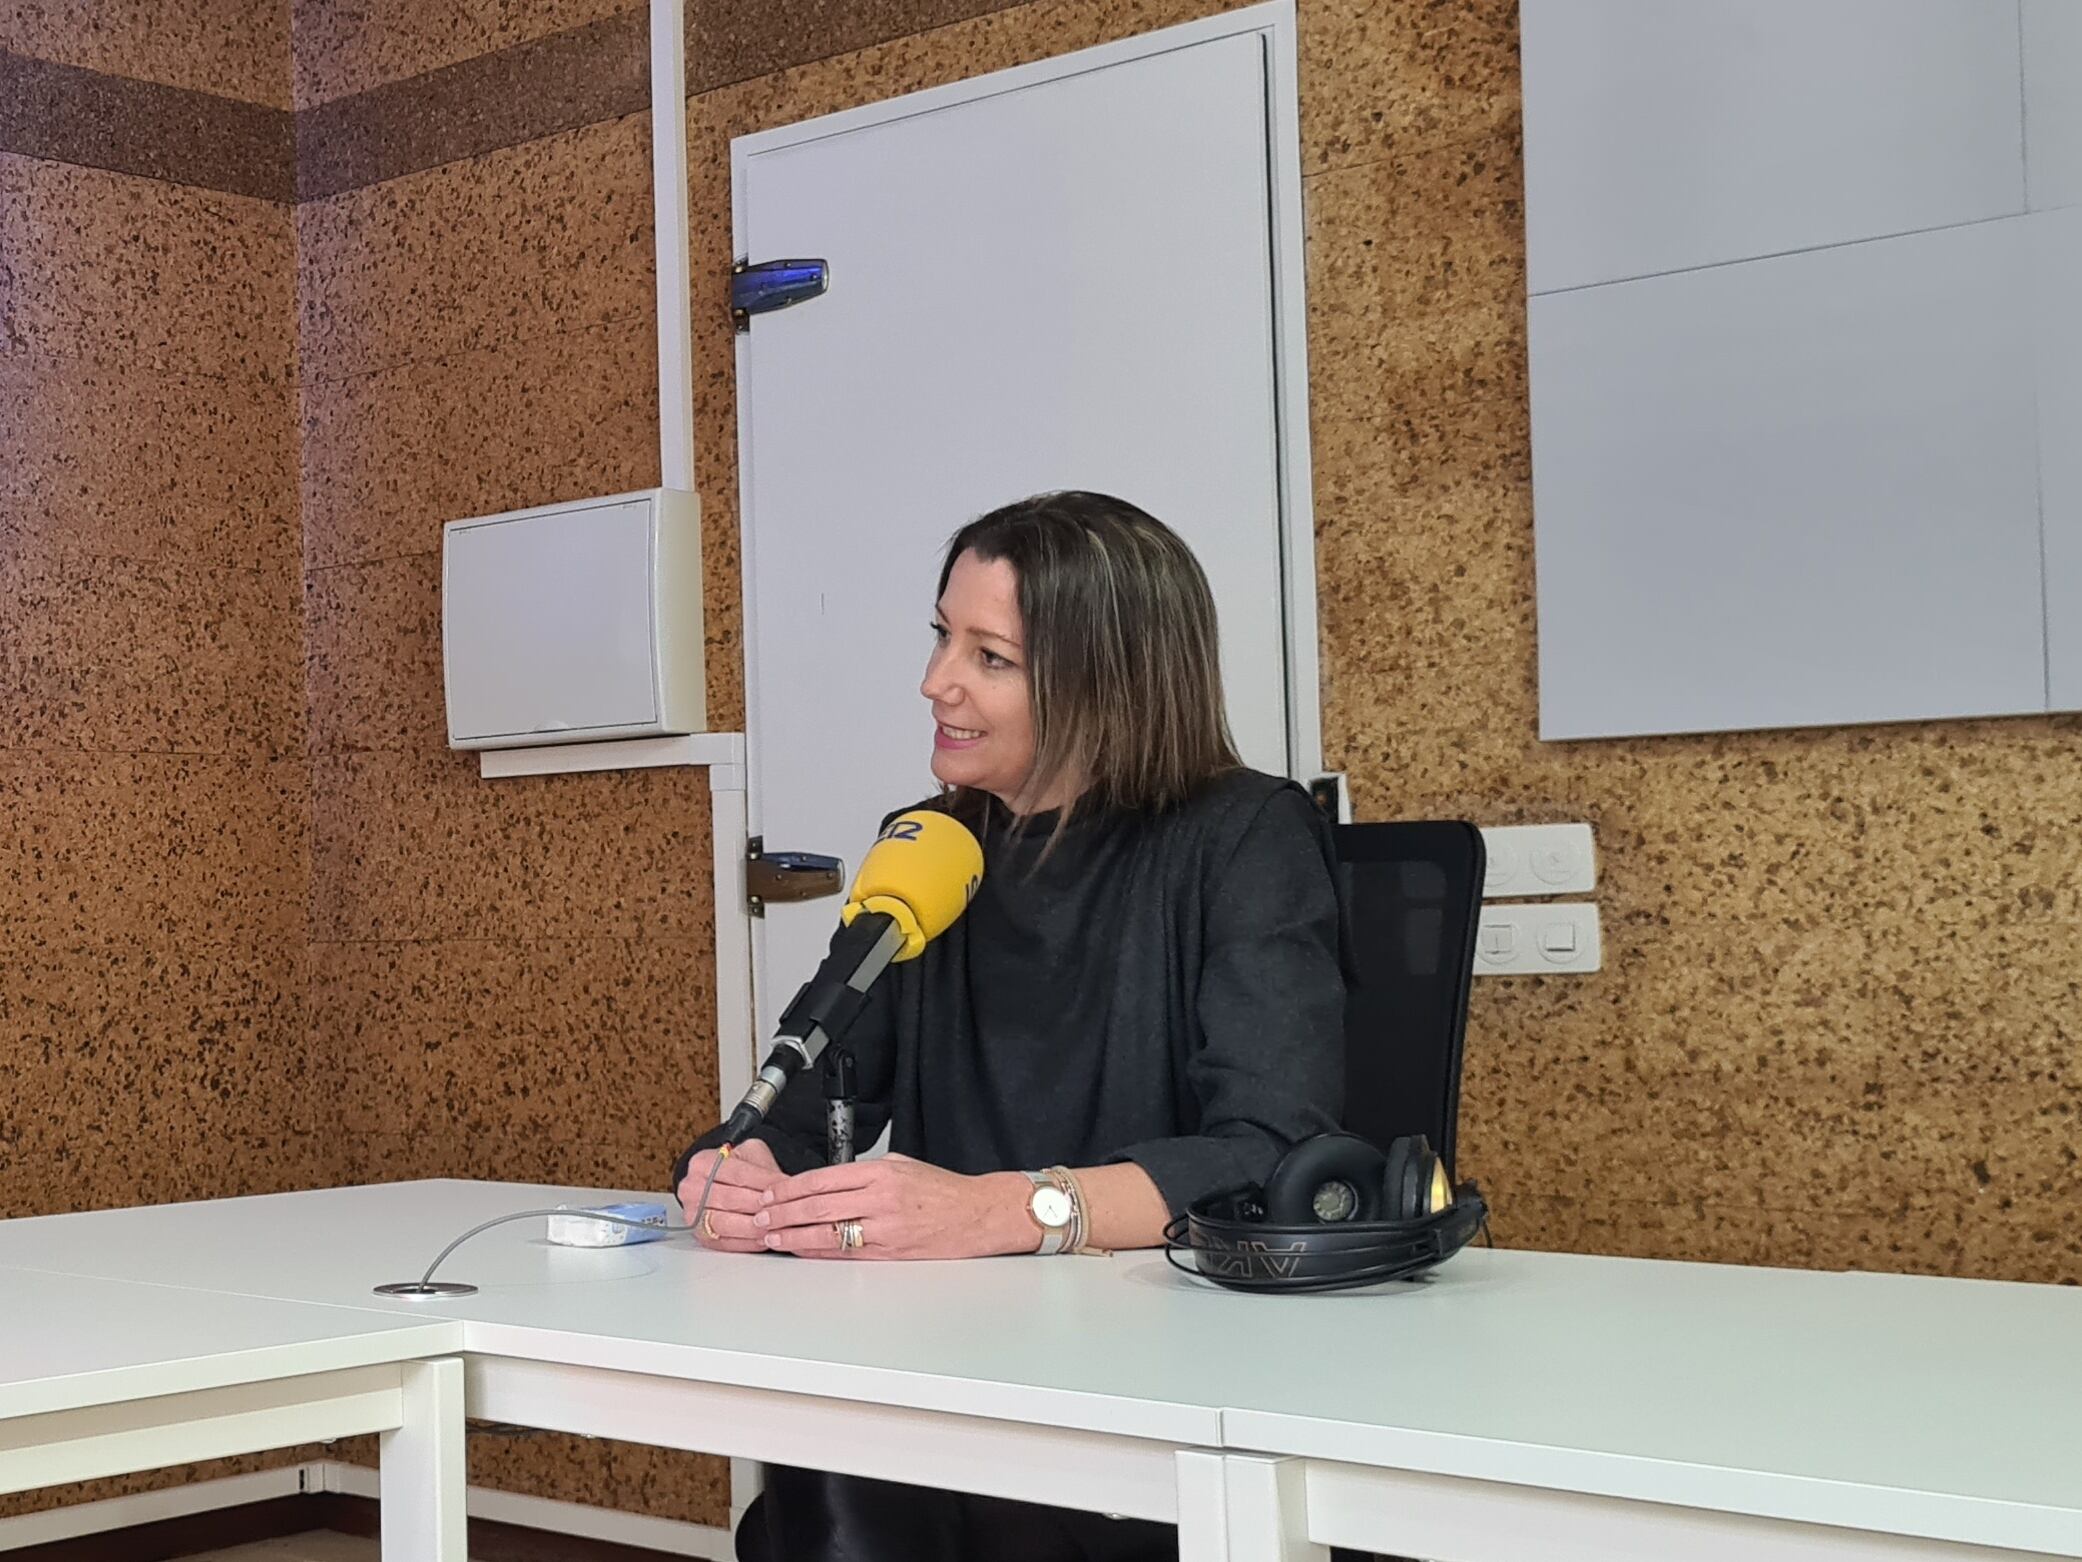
(1274, 22)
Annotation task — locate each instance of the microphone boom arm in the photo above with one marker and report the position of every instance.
(820, 1014)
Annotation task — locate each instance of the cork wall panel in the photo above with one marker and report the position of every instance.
(139, 274)
(736, 40)
(129, 1057)
(154, 1480)
(655, 1481)
(66, 114)
(154, 799)
(113, 460)
(115, 654)
(569, 80)
(1417, 302)
(1381, 78)
(406, 846)
(391, 456)
(345, 49)
(550, 237)
(373, 667)
(592, 1045)
(108, 848)
(230, 48)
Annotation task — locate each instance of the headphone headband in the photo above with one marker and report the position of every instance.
(1233, 1244)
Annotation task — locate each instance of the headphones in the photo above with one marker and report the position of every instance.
(1336, 1212)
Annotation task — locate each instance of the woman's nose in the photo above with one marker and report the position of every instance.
(936, 685)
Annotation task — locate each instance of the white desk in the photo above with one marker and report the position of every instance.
(985, 1376)
(1568, 1407)
(105, 1377)
(1517, 1404)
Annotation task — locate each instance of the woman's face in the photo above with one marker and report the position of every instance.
(976, 680)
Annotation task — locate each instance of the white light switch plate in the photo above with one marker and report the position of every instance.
(1539, 938)
(1538, 859)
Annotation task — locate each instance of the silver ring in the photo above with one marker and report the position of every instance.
(850, 1235)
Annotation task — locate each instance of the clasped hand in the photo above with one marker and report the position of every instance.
(904, 1208)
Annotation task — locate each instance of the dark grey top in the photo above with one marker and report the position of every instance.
(1165, 989)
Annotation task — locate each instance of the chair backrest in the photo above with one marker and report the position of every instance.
(1413, 896)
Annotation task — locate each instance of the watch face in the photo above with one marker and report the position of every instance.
(1051, 1206)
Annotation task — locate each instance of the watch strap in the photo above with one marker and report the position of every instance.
(1052, 1237)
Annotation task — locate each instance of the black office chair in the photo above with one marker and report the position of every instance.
(1413, 902)
(1413, 897)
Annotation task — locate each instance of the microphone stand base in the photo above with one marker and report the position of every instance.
(426, 1288)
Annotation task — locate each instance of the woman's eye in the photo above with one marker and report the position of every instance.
(940, 632)
(992, 659)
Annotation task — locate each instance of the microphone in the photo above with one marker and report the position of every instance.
(914, 884)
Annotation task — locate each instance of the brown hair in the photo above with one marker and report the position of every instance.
(1122, 664)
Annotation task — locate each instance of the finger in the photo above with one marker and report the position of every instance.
(744, 1239)
(808, 1242)
(697, 1182)
(722, 1196)
(823, 1209)
(734, 1231)
(729, 1245)
(728, 1196)
(758, 1152)
(727, 1231)
(749, 1174)
(850, 1177)
(741, 1174)
(750, 1180)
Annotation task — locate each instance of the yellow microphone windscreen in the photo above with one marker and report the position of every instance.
(922, 871)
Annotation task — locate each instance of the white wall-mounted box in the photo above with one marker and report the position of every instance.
(573, 623)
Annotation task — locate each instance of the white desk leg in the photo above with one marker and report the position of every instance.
(1203, 1516)
(1241, 1508)
(424, 1468)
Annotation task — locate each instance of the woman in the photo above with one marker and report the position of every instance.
(1143, 1006)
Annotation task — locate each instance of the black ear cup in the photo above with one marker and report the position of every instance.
(1329, 1179)
(1416, 1183)
(1334, 1178)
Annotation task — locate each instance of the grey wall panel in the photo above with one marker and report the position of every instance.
(2057, 328)
(1662, 135)
(2053, 102)
(1789, 492)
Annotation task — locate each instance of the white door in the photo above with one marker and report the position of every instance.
(1065, 276)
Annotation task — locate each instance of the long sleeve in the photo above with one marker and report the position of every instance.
(1268, 1067)
(794, 1129)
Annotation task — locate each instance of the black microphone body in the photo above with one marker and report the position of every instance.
(820, 1013)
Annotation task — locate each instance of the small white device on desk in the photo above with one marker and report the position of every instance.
(574, 623)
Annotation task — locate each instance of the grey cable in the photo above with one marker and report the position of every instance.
(690, 1228)
(533, 1214)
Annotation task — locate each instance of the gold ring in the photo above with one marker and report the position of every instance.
(850, 1235)
(708, 1230)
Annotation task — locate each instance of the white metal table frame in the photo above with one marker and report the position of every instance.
(1281, 1509)
(1100, 1472)
(1230, 1504)
(414, 1406)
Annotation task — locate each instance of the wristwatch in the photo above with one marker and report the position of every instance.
(1049, 1207)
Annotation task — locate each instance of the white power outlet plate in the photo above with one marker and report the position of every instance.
(1539, 938)
(1539, 859)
